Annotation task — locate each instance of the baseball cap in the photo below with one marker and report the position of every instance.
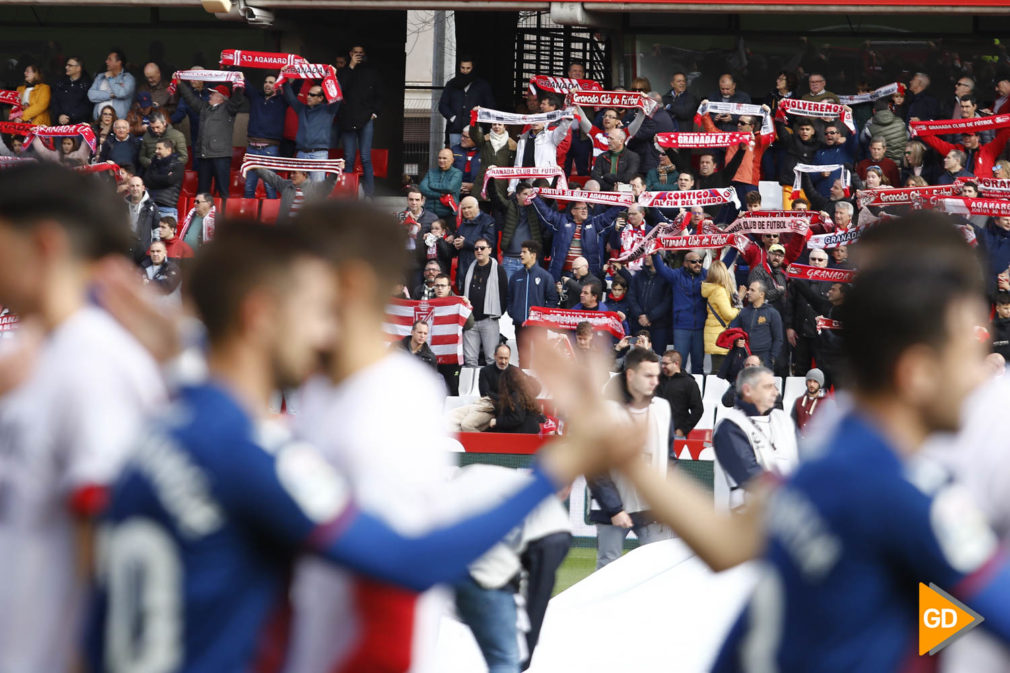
(144, 99)
(777, 247)
(223, 90)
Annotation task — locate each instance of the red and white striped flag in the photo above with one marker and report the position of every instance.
(445, 318)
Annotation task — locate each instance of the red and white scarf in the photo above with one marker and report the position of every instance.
(835, 239)
(688, 139)
(71, 130)
(718, 107)
(688, 198)
(820, 168)
(810, 108)
(823, 323)
(117, 172)
(322, 71)
(817, 273)
(945, 126)
(989, 187)
(702, 242)
(251, 161)
(510, 173)
(962, 205)
(876, 94)
(565, 319)
(233, 76)
(562, 85)
(886, 196)
(264, 60)
(445, 316)
(773, 222)
(647, 244)
(207, 234)
(16, 128)
(579, 195)
(12, 98)
(615, 99)
(486, 115)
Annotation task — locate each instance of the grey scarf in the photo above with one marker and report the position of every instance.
(492, 298)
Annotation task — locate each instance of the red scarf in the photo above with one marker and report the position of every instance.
(962, 205)
(564, 319)
(615, 99)
(886, 196)
(688, 198)
(562, 85)
(208, 224)
(83, 130)
(774, 222)
(816, 273)
(265, 60)
(327, 73)
(10, 98)
(945, 126)
(677, 140)
(16, 128)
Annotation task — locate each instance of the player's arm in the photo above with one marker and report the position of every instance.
(721, 540)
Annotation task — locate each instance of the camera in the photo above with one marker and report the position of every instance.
(633, 341)
(256, 16)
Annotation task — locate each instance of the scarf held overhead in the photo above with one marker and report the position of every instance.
(562, 85)
(10, 98)
(773, 222)
(809, 108)
(484, 115)
(578, 195)
(817, 273)
(509, 172)
(265, 60)
(882, 92)
(748, 109)
(691, 140)
(884, 196)
(234, 77)
(251, 161)
(688, 198)
(971, 125)
(614, 99)
(71, 130)
(819, 168)
(564, 319)
(321, 71)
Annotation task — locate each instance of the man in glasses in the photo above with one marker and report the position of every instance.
(315, 124)
(486, 288)
(837, 148)
(689, 310)
(747, 176)
(801, 319)
(818, 90)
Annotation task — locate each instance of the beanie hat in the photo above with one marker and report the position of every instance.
(816, 375)
(223, 90)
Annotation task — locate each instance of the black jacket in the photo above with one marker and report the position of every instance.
(513, 211)
(425, 355)
(643, 144)
(164, 180)
(681, 109)
(802, 317)
(167, 278)
(517, 419)
(457, 100)
(362, 96)
(682, 392)
(71, 99)
(651, 296)
(797, 152)
(1001, 337)
(147, 222)
(627, 168)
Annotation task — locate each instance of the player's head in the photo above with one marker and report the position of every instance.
(909, 320)
(53, 222)
(265, 291)
(364, 244)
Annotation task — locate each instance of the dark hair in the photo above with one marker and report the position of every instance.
(414, 189)
(635, 357)
(445, 276)
(119, 55)
(969, 98)
(575, 62)
(753, 198)
(533, 247)
(583, 328)
(348, 231)
(40, 77)
(80, 61)
(644, 333)
(416, 323)
(804, 121)
(515, 393)
(482, 239)
(901, 300)
(131, 169)
(166, 142)
(1003, 297)
(619, 280)
(466, 58)
(595, 288)
(84, 206)
(790, 78)
(674, 354)
(550, 98)
(170, 221)
(222, 275)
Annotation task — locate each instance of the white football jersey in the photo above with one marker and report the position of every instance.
(65, 429)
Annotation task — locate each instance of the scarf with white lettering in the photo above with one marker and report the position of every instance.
(232, 76)
(251, 161)
(562, 85)
(565, 319)
(11, 98)
(688, 198)
(718, 107)
(509, 173)
(836, 239)
(326, 73)
(823, 323)
(265, 60)
(886, 196)
(615, 99)
(817, 273)
(962, 205)
(16, 128)
(702, 242)
(970, 125)
(647, 243)
(820, 168)
(579, 195)
(882, 92)
(989, 187)
(484, 115)
(688, 139)
(810, 108)
(71, 130)
(773, 222)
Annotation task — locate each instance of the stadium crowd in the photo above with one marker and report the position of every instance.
(706, 234)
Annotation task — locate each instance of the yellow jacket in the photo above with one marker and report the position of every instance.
(37, 111)
(718, 303)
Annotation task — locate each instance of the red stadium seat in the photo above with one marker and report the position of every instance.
(236, 157)
(269, 210)
(346, 186)
(501, 442)
(236, 187)
(218, 204)
(577, 181)
(380, 161)
(184, 204)
(189, 183)
(238, 207)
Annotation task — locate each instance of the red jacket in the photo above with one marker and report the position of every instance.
(985, 156)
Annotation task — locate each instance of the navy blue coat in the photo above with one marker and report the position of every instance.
(481, 226)
(456, 103)
(594, 233)
(651, 296)
(315, 123)
(266, 115)
(997, 247)
(688, 304)
(530, 287)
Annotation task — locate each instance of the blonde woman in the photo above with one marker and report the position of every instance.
(722, 306)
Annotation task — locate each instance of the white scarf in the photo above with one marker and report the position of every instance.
(492, 296)
(498, 140)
